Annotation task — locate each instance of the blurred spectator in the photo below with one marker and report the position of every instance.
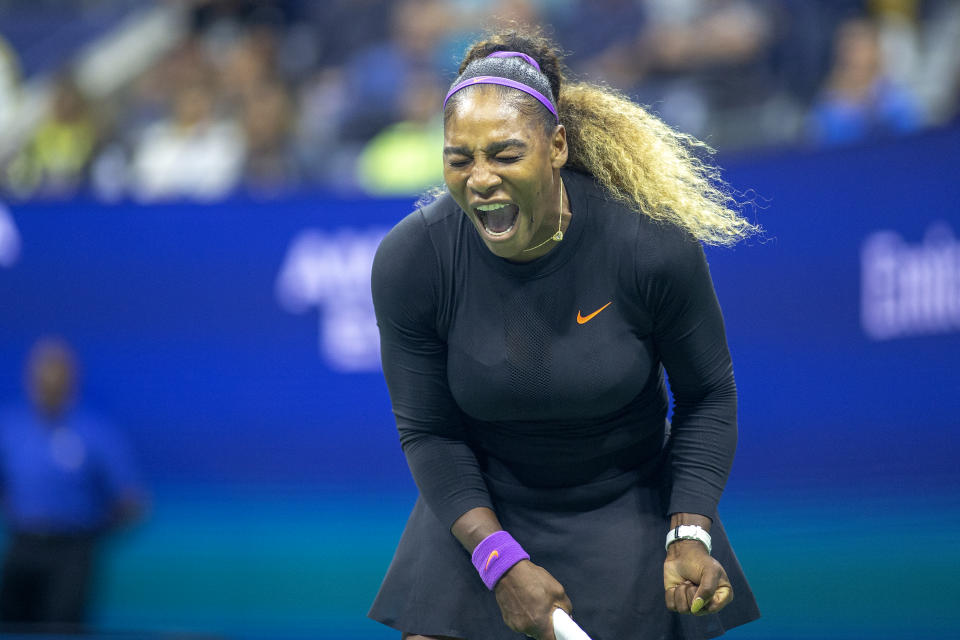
(55, 160)
(268, 119)
(936, 77)
(249, 63)
(346, 26)
(697, 33)
(705, 62)
(378, 77)
(898, 31)
(66, 479)
(404, 158)
(325, 156)
(151, 96)
(859, 99)
(9, 85)
(602, 38)
(193, 154)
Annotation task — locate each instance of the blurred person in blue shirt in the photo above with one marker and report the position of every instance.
(860, 100)
(66, 478)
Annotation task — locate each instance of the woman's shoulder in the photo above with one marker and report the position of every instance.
(605, 208)
(438, 208)
(667, 255)
(412, 234)
(417, 226)
(410, 256)
(655, 241)
(658, 248)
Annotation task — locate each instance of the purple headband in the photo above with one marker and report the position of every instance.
(506, 82)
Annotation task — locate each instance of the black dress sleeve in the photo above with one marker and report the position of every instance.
(405, 284)
(691, 341)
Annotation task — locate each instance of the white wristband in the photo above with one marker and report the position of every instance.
(689, 532)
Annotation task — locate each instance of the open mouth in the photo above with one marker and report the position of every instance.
(498, 219)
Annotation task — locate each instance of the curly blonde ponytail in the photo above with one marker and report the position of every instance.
(647, 165)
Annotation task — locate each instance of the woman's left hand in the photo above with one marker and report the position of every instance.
(693, 581)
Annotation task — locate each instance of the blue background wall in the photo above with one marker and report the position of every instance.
(232, 342)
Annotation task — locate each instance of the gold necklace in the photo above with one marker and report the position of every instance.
(558, 236)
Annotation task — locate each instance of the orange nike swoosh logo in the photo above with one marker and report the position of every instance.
(584, 319)
(490, 558)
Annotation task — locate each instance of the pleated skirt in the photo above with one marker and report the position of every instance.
(603, 541)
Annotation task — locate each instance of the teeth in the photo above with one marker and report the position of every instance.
(490, 207)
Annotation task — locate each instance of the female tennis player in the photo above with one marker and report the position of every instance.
(526, 318)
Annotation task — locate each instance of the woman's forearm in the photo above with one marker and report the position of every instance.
(678, 519)
(475, 525)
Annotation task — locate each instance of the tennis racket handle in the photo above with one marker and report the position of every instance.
(565, 628)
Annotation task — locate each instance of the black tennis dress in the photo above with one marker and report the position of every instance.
(537, 390)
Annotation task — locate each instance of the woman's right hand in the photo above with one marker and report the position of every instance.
(527, 595)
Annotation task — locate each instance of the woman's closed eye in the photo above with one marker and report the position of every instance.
(506, 159)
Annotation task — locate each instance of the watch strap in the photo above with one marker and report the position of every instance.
(689, 532)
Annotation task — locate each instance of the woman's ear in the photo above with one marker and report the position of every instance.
(558, 147)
